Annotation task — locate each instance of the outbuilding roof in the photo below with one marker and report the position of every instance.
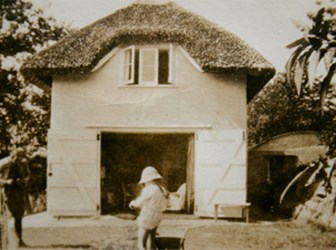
(213, 48)
(306, 145)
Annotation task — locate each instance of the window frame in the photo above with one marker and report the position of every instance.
(127, 64)
(142, 49)
(170, 63)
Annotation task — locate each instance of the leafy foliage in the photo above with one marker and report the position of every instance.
(24, 108)
(277, 109)
(305, 69)
(290, 112)
(317, 45)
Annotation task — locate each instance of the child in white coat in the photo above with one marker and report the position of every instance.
(152, 202)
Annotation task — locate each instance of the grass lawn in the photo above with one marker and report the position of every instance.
(209, 235)
(277, 235)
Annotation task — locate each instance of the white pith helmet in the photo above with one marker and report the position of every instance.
(149, 174)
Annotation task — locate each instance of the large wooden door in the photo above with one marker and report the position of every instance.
(73, 180)
(220, 169)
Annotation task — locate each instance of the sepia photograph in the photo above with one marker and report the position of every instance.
(167, 124)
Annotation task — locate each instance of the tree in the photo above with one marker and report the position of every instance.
(24, 107)
(317, 45)
(313, 63)
(268, 118)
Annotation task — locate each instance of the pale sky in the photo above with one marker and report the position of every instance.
(264, 24)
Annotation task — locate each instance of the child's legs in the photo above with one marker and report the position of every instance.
(142, 238)
(152, 234)
(18, 227)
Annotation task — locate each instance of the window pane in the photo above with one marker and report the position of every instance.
(129, 72)
(148, 57)
(136, 67)
(130, 56)
(148, 73)
(148, 65)
(163, 66)
(128, 65)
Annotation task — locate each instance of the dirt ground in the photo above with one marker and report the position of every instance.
(109, 232)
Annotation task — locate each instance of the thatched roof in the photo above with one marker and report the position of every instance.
(214, 49)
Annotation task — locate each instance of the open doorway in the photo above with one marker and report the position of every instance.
(125, 155)
(280, 171)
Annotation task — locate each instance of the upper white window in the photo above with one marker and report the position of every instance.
(148, 65)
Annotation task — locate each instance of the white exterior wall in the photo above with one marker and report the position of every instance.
(197, 99)
(85, 105)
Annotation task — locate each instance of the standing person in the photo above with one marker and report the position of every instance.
(15, 176)
(152, 202)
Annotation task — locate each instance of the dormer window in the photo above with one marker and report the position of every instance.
(148, 65)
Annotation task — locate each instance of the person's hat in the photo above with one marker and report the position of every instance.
(149, 174)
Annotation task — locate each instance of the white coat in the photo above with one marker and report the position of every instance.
(152, 201)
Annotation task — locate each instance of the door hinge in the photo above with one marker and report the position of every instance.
(98, 137)
(243, 135)
(98, 207)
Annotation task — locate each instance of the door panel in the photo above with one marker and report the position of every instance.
(72, 174)
(220, 169)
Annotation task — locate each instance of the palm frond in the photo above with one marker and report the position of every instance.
(328, 57)
(291, 61)
(317, 21)
(312, 67)
(299, 74)
(300, 68)
(291, 183)
(302, 41)
(326, 84)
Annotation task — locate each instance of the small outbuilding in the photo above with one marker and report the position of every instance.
(274, 163)
(151, 84)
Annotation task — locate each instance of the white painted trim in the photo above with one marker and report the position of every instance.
(124, 63)
(167, 126)
(190, 59)
(169, 85)
(149, 129)
(106, 58)
(171, 64)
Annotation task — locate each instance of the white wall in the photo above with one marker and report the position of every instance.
(197, 99)
(82, 104)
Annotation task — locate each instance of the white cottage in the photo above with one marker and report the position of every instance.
(151, 84)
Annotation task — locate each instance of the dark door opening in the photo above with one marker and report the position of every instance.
(125, 155)
(281, 169)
